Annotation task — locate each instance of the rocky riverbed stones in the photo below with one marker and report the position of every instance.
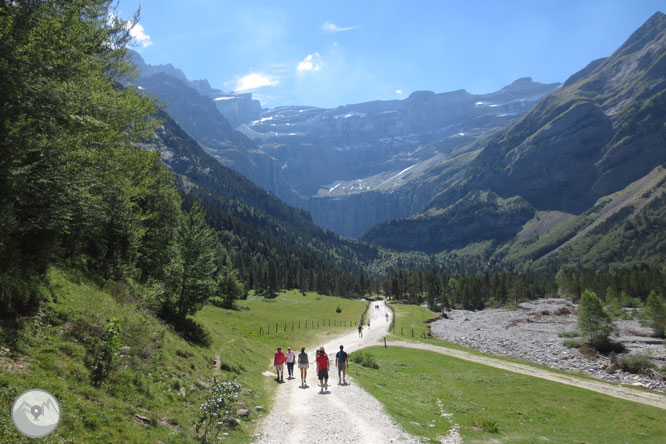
(531, 331)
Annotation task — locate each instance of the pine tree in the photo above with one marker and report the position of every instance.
(654, 314)
(190, 278)
(593, 321)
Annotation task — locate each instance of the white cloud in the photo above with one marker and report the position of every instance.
(136, 30)
(331, 27)
(254, 80)
(312, 62)
(398, 91)
(139, 35)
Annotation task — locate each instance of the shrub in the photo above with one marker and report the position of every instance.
(479, 422)
(569, 334)
(215, 412)
(572, 343)
(105, 353)
(364, 359)
(636, 364)
(338, 310)
(593, 321)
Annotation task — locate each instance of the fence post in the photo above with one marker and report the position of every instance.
(269, 329)
(412, 332)
(292, 325)
(260, 330)
(384, 341)
(402, 330)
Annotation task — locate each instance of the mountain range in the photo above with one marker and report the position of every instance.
(584, 147)
(515, 178)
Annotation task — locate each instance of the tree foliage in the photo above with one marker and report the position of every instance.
(190, 276)
(654, 314)
(593, 321)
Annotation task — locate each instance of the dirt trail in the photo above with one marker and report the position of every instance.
(344, 413)
(649, 398)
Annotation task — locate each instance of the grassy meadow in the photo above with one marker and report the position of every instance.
(495, 406)
(159, 375)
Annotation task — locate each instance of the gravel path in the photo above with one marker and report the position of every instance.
(343, 414)
(531, 333)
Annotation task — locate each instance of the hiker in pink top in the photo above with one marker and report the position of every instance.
(279, 360)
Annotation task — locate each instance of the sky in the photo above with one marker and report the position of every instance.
(332, 53)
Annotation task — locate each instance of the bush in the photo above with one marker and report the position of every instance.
(106, 353)
(19, 295)
(215, 412)
(482, 423)
(636, 364)
(572, 343)
(569, 334)
(593, 321)
(364, 359)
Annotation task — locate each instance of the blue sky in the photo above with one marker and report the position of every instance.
(330, 53)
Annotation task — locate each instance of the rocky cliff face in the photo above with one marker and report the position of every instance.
(344, 164)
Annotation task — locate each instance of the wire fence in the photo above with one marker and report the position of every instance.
(307, 324)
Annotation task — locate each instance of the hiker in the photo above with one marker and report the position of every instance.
(322, 369)
(368, 323)
(341, 363)
(360, 331)
(290, 359)
(386, 317)
(279, 364)
(303, 364)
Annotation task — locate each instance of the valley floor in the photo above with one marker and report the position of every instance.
(531, 333)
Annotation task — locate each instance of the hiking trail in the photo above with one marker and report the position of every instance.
(348, 414)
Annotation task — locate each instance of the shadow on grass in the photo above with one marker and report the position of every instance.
(188, 329)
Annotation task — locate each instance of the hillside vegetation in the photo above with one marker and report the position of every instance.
(154, 373)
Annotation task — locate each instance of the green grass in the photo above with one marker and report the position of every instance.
(50, 351)
(493, 405)
(408, 318)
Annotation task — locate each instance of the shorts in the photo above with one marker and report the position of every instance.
(323, 373)
(279, 367)
(303, 365)
(342, 366)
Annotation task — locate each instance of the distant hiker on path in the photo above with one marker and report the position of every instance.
(341, 364)
(291, 359)
(322, 369)
(303, 364)
(360, 331)
(278, 361)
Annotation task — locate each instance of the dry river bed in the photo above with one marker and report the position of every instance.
(531, 333)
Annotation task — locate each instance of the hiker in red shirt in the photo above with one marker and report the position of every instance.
(322, 369)
(279, 364)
